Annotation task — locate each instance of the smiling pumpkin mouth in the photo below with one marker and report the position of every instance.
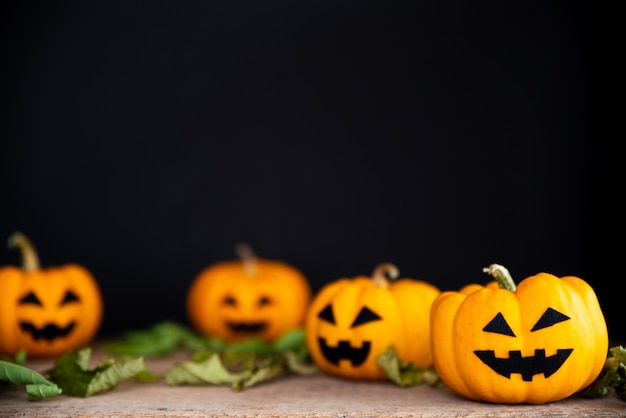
(526, 366)
(48, 332)
(247, 327)
(344, 350)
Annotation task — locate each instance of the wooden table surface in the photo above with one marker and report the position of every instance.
(289, 396)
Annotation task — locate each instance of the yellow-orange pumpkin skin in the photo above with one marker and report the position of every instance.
(469, 288)
(48, 311)
(236, 300)
(539, 343)
(351, 321)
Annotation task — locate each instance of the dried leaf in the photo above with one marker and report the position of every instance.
(71, 372)
(404, 373)
(207, 371)
(37, 386)
(160, 340)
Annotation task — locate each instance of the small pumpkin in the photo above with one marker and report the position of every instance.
(471, 287)
(46, 312)
(352, 321)
(249, 297)
(539, 342)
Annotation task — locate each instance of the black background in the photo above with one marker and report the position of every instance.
(143, 140)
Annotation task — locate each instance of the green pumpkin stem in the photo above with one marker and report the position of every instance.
(384, 271)
(247, 256)
(502, 276)
(30, 260)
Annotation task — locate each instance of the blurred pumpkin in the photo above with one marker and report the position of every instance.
(352, 321)
(46, 312)
(539, 342)
(471, 287)
(249, 297)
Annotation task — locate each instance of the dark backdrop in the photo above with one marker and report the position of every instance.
(143, 140)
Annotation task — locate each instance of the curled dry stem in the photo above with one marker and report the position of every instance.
(30, 259)
(384, 271)
(502, 276)
(247, 256)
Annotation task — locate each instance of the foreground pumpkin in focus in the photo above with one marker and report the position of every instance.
(540, 342)
(46, 312)
(249, 297)
(352, 321)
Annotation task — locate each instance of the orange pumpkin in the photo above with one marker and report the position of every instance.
(471, 287)
(46, 312)
(249, 297)
(353, 321)
(538, 342)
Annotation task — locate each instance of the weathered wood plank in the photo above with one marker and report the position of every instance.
(294, 396)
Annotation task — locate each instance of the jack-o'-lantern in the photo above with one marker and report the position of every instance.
(352, 321)
(539, 342)
(249, 297)
(46, 311)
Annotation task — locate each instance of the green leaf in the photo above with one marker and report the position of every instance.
(146, 376)
(18, 358)
(297, 366)
(162, 339)
(619, 386)
(404, 373)
(38, 392)
(71, 372)
(292, 340)
(115, 373)
(251, 345)
(240, 370)
(619, 353)
(208, 371)
(295, 342)
(37, 386)
(214, 362)
(261, 374)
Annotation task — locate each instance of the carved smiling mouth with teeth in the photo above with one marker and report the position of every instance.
(344, 350)
(48, 332)
(247, 327)
(526, 366)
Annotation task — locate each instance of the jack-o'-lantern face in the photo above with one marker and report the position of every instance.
(530, 365)
(234, 306)
(56, 310)
(236, 323)
(542, 342)
(236, 300)
(50, 331)
(352, 321)
(344, 350)
(352, 329)
(47, 312)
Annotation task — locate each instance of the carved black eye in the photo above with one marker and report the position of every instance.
(229, 300)
(499, 325)
(264, 301)
(549, 318)
(365, 315)
(69, 297)
(327, 314)
(30, 299)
